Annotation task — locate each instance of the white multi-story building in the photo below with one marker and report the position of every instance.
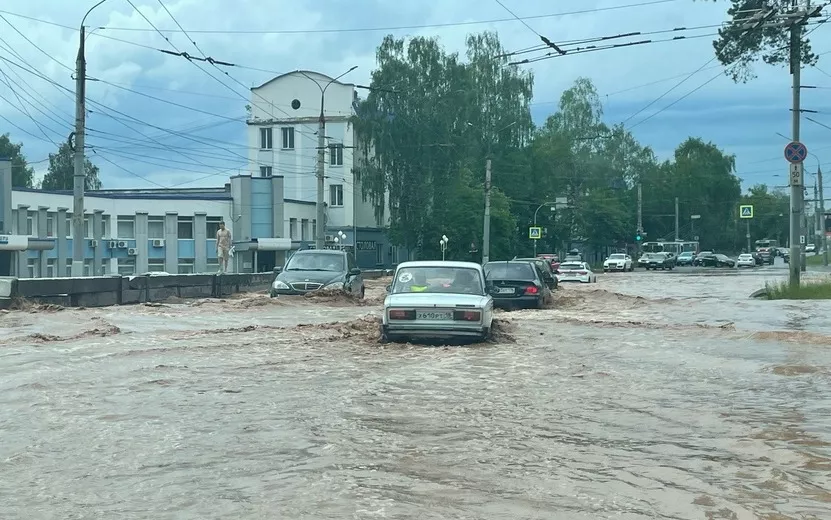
(283, 141)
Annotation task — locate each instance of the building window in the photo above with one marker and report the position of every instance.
(51, 267)
(30, 225)
(293, 228)
(68, 267)
(212, 226)
(379, 254)
(265, 171)
(87, 228)
(50, 226)
(185, 227)
(314, 229)
(126, 266)
(155, 227)
(336, 154)
(68, 225)
(304, 229)
(155, 265)
(125, 226)
(336, 195)
(288, 138)
(186, 266)
(106, 229)
(30, 264)
(266, 139)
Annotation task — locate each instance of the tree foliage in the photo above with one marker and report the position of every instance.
(738, 47)
(60, 175)
(432, 119)
(22, 173)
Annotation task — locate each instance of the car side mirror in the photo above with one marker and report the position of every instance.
(278, 270)
(388, 288)
(354, 271)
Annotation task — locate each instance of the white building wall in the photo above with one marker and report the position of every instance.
(271, 107)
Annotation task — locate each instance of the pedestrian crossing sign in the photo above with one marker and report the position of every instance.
(746, 211)
(534, 233)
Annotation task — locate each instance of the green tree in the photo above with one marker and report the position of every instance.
(430, 120)
(770, 212)
(22, 173)
(738, 47)
(62, 170)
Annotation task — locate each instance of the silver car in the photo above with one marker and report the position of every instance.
(437, 300)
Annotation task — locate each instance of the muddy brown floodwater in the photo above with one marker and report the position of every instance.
(658, 395)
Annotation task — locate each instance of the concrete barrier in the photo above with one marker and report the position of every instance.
(102, 291)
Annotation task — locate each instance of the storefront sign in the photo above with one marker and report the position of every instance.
(366, 245)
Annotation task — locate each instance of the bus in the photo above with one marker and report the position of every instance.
(676, 248)
(766, 244)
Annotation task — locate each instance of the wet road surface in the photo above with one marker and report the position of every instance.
(645, 395)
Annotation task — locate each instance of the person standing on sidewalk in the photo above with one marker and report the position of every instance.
(223, 246)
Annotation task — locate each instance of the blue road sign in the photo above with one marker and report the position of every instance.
(746, 211)
(796, 152)
(534, 233)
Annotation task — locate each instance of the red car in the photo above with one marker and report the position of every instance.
(553, 259)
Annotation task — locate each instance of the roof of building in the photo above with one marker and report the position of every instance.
(161, 194)
(300, 71)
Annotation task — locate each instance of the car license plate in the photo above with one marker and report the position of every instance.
(431, 315)
(506, 290)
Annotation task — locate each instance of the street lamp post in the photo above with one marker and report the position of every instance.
(320, 239)
(443, 244)
(553, 208)
(77, 141)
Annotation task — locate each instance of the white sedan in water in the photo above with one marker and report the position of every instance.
(576, 272)
(745, 260)
(618, 262)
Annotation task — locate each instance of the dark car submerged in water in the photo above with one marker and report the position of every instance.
(318, 269)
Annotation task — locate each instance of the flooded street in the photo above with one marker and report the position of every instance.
(645, 395)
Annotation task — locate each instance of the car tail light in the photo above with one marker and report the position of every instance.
(400, 314)
(582, 273)
(467, 315)
(532, 290)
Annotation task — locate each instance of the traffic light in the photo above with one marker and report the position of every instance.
(638, 237)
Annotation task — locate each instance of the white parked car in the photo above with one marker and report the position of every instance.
(437, 300)
(618, 262)
(576, 272)
(745, 260)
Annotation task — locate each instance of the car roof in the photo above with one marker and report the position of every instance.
(439, 263)
(323, 251)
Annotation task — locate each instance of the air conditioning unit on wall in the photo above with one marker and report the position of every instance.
(93, 243)
(122, 244)
(158, 242)
(112, 244)
(132, 251)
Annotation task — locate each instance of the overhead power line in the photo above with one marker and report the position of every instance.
(371, 29)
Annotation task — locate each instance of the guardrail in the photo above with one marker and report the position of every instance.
(102, 291)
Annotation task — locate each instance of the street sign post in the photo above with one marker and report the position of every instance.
(796, 152)
(802, 239)
(746, 211)
(797, 175)
(535, 232)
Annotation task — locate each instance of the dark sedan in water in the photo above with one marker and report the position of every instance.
(516, 284)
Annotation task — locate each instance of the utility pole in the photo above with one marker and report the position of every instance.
(640, 209)
(486, 232)
(816, 215)
(320, 239)
(824, 239)
(797, 195)
(677, 235)
(78, 178)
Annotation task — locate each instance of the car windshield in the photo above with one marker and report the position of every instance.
(509, 271)
(316, 262)
(746, 257)
(571, 265)
(653, 256)
(617, 257)
(438, 279)
(685, 254)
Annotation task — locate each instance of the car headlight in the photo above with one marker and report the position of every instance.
(280, 285)
(335, 286)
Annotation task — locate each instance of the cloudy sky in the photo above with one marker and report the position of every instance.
(265, 37)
